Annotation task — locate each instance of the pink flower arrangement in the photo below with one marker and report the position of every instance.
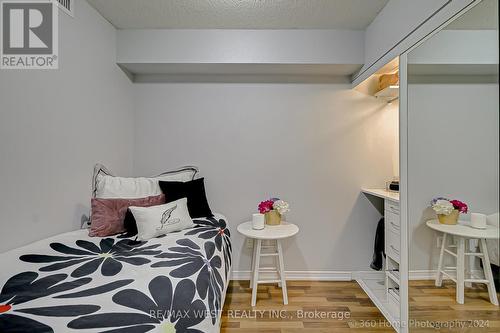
(460, 206)
(282, 207)
(445, 206)
(266, 206)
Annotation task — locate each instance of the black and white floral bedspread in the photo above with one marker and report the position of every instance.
(76, 283)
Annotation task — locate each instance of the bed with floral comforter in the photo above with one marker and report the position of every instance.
(76, 283)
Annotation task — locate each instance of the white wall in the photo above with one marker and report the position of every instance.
(55, 124)
(452, 152)
(314, 145)
(297, 46)
(448, 47)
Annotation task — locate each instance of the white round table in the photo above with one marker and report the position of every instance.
(463, 232)
(270, 232)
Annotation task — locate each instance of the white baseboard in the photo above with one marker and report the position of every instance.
(431, 274)
(367, 275)
(333, 275)
(413, 275)
(423, 275)
(298, 275)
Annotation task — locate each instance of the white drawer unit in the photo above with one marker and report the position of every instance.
(393, 301)
(391, 213)
(392, 270)
(384, 289)
(392, 245)
(392, 230)
(392, 221)
(391, 206)
(393, 257)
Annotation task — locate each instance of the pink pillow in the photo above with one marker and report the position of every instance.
(108, 214)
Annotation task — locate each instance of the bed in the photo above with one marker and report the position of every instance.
(76, 283)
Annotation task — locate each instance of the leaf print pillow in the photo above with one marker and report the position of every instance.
(158, 220)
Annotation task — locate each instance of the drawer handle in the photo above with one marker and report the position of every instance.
(395, 225)
(394, 210)
(395, 250)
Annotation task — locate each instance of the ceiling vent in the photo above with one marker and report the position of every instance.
(67, 6)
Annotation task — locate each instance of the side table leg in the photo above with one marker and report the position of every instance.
(460, 270)
(487, 272)
(255, 272)
(439, 276)
(282, 272)
(277, 263)
(254, 251)
(469, 262)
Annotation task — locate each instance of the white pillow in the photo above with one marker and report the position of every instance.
(492, 244)
(108, 186)
(159, 220)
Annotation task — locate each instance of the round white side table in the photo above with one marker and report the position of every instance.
(273, 233)
(462, 232)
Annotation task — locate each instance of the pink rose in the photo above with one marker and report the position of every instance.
(266, 206)
(461, 206)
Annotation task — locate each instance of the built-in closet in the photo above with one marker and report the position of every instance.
(446, 94)
(388, 287)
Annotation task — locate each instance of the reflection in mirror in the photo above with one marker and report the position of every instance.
(453, 153)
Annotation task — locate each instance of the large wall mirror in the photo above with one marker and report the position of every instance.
(453, 154)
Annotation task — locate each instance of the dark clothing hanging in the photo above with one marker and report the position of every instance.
(378, 250)
(495, 270)
(496, 276)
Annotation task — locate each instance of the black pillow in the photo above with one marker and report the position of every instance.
(129, 224)
(194, 191)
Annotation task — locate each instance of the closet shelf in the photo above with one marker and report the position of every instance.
(388, 94)
(154, 72)
(393, 275)
(382, 193)
(374, 287)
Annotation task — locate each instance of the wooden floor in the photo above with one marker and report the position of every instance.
(346, 308)
(429, 304)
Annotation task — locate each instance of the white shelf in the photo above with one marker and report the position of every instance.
(375, 289)
(388, 94)
(394, 276)
(238, 72)
(393, 259)
(382, 193)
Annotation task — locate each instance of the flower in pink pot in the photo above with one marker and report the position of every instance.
(266, 206)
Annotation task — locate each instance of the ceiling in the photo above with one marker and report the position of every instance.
(239, 14)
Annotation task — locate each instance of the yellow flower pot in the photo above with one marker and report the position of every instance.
(273, 218)
(449, 219)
